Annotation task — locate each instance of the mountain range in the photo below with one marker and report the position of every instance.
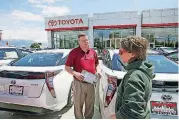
(19, 43)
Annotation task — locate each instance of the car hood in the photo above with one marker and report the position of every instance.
(158, 76)
(169, 51)
(31, 69)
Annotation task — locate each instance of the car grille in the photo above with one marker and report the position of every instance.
(164, 84)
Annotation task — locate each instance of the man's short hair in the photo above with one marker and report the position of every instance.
(81, 35)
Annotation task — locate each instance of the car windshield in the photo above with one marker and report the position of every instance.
(41, 60)
(7, 53)
(163, 64)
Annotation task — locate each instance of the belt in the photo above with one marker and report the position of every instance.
(81, 81)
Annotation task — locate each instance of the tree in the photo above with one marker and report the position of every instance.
(35, 45)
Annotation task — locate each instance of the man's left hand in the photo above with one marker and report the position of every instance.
(113, 116)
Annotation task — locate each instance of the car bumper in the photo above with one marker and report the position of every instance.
(153, 116)
(19, 108)
(45, 101)
(157, 96)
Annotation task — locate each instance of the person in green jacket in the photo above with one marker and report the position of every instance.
(135, 89)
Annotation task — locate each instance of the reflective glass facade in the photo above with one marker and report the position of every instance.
(161, 36)
(65, 39)
(104, 38)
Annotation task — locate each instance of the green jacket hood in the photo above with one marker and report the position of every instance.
(144, 66)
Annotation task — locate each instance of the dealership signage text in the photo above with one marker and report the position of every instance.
(65, 22)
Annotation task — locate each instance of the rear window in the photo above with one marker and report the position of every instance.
(6, 54)
(116, 64)
(41, 60)
(163, 64)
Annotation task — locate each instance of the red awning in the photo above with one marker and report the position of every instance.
(115, 26)
(68, 28)
(161, 25)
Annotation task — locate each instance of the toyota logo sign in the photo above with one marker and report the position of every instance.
(52, 22)
(166, 97)
(65, 22)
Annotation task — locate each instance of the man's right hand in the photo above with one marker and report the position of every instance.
(78, 76)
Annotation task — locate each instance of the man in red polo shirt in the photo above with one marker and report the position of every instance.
(82, 58)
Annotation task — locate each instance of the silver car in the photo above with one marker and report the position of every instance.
(8, 54)
(36, 83)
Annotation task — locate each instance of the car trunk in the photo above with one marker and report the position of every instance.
(21, 83)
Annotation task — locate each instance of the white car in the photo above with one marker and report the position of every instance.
(8, 54)
(36, 83)
(164, 99)
(165, 50)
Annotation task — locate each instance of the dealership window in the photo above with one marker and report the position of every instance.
(109, 38)
(161, 36)
(66, 39)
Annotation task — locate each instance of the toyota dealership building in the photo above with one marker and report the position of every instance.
(159, 26)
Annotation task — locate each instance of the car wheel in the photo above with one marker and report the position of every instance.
(70, 96)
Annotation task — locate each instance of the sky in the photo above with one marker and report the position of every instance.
(24, 19)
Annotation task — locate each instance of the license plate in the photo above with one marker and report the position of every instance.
(164, 108)
(16, 90)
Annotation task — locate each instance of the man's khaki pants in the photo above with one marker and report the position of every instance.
(83, 93)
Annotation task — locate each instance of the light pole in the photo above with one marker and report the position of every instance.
(1, 35)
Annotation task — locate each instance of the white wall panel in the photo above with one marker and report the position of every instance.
(176, 11)
(168, 19)
(105, 15)
(145, 13)
(168, 12)
(146, 20)
(155, 13)
(175, 19)
(134, 14)
(155, 20)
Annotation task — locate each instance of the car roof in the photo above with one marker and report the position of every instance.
(149, 51)
(54, 51)
(175, 52)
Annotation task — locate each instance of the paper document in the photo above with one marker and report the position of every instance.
(89, 77)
